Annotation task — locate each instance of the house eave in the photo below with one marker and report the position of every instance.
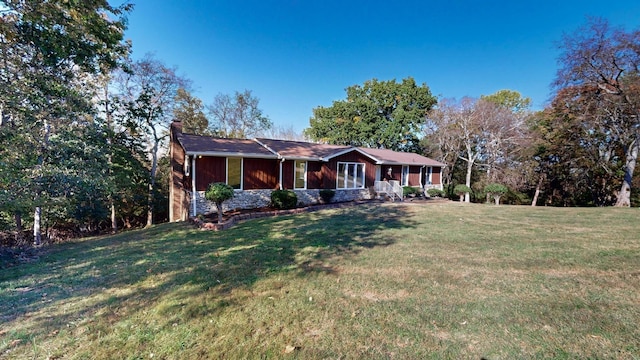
(407, 164)
(231, 154)
(348, 150)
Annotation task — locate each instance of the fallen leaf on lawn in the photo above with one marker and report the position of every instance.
(289, 349)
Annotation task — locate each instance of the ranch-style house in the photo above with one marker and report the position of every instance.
(256, 167)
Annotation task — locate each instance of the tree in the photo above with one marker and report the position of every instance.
(282, 133)
(189, 111)
(464, 123)
(496, 191)
(378, 114)
(462, 191)
(48, 52)
(507, 137)
(482, 133)
(219, 193)
(149, 91)
(238, 116)
(598, 86)
(509, 99)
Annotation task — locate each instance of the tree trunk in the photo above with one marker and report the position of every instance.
(150, 204)
(219, 206)
(114, 221)
(37, 237)
(109, 118)
(467, 197)
(624, 195)
(497, 199)
(538, 187)
(154, 170)
(18, 218)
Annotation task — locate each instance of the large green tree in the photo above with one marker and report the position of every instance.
(377, 114)
(190, 111)
(49, 51)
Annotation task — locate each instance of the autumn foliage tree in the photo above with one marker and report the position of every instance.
(598, 90)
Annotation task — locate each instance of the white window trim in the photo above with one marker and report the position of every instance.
(404, 175)
(430, 175)
(226, 180)
(295, 174)
(346, 171)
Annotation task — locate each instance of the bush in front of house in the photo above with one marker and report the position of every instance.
(219, 193)
(284, 199)
(435, 193)
(326, 195)
(409, 191)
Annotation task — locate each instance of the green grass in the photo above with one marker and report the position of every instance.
(446, 281)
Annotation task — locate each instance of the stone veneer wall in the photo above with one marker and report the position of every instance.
(251, 199)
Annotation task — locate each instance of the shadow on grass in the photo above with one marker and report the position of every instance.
(164, 267)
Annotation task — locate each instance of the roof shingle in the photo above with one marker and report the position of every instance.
(271, 148)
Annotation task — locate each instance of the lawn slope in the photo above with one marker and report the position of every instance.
(372, 281)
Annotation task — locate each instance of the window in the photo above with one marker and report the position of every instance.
(405, 176)
(234, 172)
(350, 176)
(300, 180)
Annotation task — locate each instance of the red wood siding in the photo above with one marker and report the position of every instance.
(314, 175)
(330, 169)
(260, 174)
(210, 169)
(414, 175)
(287, 174)
(436, 176)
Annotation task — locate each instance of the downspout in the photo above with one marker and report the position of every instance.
(280, 182)
(193, 185)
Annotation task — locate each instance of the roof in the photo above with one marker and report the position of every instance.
(211, 146)
(301, 150)
(390, 157)
(294, 150)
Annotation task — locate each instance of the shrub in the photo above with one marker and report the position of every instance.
(496, 190)
(327, 195)
(284, 199)
(409, 190)
(435, 193)
(219, 193)
(461, 190)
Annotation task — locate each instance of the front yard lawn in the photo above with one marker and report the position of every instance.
(398, 281)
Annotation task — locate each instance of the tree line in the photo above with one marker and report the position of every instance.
(580, 150)
(83, 126)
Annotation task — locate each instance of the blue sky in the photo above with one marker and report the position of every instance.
(296, 55)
